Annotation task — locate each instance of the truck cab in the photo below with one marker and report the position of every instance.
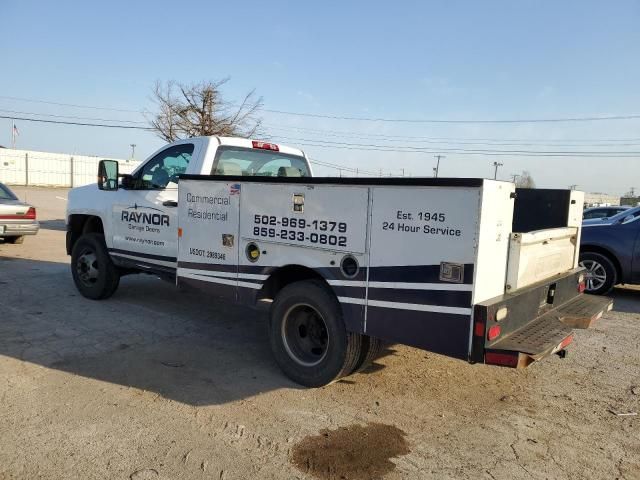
(138, 215)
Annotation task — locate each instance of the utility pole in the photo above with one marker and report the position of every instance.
(133, 150)
(495, 173)
(14, 132)
(573, 187)
(514, 177)
(437, 169)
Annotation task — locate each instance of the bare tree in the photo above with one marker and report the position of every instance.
(525, 180)
(191, 110)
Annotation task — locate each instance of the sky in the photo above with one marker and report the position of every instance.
(402, 60)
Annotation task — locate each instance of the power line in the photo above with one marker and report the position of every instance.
(409, 148)
(423, 120)
(390, 138)
(594, 118)
(72, 116)
(315, 161)
(32, 100)
(461, 140)
(60, 122)
(375, 147)
(336, 133)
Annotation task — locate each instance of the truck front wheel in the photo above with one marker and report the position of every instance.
(95, 275)
(308, 336)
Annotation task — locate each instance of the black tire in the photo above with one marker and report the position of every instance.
(15, 240)
(95, 275)
(308, 337)
(601, 275)
(371, 349)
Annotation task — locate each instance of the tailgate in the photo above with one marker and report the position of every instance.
(518, 328)
(548, 333)
(540, 255)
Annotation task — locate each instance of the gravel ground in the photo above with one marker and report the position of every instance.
(161, 383)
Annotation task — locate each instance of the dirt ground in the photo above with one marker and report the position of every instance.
(157, 383)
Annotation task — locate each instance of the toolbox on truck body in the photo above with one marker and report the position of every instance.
(424, 262)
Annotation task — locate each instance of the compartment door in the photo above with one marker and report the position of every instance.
(208, 219)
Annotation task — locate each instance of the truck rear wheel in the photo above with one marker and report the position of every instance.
(371, 349)
(95, 275)
(308, 336)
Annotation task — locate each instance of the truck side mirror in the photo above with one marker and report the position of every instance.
(108, 175)
(628, 218)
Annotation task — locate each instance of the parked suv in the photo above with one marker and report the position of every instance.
(610, 251)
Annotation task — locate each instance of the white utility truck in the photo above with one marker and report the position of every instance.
(470, 268)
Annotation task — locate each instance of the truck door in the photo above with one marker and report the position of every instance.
(144, 215)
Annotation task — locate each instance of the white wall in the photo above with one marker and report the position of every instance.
(28, 167)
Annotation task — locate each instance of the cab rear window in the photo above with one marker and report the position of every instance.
(258, 163)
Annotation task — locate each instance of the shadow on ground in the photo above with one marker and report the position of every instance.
(626, 300)
(53, 225)
(184, 345)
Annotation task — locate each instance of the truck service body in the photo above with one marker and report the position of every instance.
(468, 268)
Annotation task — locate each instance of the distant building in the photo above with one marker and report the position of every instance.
(600, 199)
(631, 201)
(28, 167)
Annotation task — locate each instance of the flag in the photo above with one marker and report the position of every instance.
(16, 132)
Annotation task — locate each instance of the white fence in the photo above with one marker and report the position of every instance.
(27, 167)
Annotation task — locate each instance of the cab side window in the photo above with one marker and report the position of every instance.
(164, 168)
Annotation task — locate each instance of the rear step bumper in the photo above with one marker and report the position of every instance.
(548, 333)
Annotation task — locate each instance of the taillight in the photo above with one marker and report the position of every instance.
(499, 358)
(566, 341)
(494, 332)
(28, 215)
(265, 145)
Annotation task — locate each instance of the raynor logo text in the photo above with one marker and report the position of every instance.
(144, 217)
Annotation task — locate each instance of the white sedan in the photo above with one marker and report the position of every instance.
(17, 218)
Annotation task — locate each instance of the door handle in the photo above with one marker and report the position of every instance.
(170, 203)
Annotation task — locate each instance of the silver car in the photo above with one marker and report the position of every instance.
(17, 218)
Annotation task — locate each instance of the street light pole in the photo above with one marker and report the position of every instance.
(495, 173)
(437, 169)
(133, 150)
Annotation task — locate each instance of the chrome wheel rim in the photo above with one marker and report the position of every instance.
(87, 268)
(595, 275)
(305, 335)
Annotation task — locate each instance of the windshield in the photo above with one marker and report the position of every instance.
(259, 163)
(6, 194)
(625, 213)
